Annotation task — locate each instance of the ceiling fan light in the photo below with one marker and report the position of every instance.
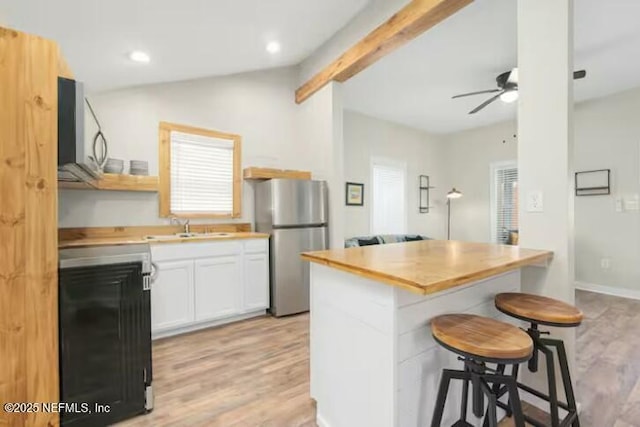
(509, 96)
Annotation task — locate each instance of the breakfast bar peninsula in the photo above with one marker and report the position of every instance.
(373, 360)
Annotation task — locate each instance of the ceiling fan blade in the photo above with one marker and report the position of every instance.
(476, 93)
(487, 102)
(579, 74)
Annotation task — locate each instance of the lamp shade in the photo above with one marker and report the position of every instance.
(454, 194)
(509, 96)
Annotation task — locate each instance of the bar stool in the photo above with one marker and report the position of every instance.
(539, 310)
(480, 340)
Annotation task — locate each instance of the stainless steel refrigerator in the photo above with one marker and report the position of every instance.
(295, 214)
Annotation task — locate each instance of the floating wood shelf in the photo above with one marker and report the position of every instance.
(116, 182)
(267, 173)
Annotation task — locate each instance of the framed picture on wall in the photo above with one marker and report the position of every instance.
(355, 194)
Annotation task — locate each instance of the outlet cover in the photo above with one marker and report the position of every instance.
(632, 204)
(535, 201)
(619, 205)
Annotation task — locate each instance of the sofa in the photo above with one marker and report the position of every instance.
(381, 239)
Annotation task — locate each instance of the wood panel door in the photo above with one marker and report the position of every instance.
(172, 296)
(218, 289)
(28, 226)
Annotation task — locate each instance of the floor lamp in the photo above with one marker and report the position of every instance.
(453, 194)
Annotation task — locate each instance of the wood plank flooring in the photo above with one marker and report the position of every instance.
(248, 374)
(256, 373)
(608, 361)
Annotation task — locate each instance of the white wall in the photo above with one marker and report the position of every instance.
(320, 133)
(470, 155)
(259, 106)
(276, 133)
(366, 137)
(607, 136)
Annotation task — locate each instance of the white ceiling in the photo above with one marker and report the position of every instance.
(196, 38)
(414, 85)
(185, 38)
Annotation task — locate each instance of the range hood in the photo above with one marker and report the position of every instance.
(73, 165)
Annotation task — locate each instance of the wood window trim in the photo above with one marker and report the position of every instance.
(164, 189)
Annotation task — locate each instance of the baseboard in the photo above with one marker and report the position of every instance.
(608, 290)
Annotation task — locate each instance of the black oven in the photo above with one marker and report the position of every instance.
(105, 334)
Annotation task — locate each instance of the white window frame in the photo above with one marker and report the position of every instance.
(493, 169)
(393, 163)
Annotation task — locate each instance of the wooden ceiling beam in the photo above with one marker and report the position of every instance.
(405, 25)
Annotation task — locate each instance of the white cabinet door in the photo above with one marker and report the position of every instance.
(256, 281)
(172, 295)
(218, 290)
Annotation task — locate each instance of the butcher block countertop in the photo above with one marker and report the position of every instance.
(106, 241)
(429, 266)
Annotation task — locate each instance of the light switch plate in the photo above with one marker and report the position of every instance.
(535, 201)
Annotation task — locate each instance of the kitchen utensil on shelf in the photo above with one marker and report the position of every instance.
(114, 166)
(98, 140)
(139, 167)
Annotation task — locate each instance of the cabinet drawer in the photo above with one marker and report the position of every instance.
(256, 246)
(175, 251)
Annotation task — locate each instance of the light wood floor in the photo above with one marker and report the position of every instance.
(248, 374)
(608, 361)
(256, 374)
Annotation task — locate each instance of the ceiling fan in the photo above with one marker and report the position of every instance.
(507, 88)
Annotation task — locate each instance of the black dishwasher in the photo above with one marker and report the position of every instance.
(105, 334)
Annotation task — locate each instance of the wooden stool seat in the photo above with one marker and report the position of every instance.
(538, 309)
(481, 337)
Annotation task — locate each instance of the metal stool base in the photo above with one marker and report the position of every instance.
(479, 376)
(545, 346)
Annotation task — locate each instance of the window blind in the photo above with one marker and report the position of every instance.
(506, 200)
(388, 199)
(201, 174)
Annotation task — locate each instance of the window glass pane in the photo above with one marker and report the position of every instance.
(506, 203)
(201, 174)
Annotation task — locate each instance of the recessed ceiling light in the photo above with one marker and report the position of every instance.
(273, 47)
(139, 56)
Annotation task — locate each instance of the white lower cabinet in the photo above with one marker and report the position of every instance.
(217, 281)
(256, 290)
(201, 284)
(171, 301)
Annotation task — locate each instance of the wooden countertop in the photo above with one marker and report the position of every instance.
(105, 241)
(429, 266)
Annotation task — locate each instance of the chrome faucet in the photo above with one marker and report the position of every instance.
(174, 220)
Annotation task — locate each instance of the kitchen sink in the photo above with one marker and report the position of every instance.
(185, 236)
(161, 237)
(182, 235)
